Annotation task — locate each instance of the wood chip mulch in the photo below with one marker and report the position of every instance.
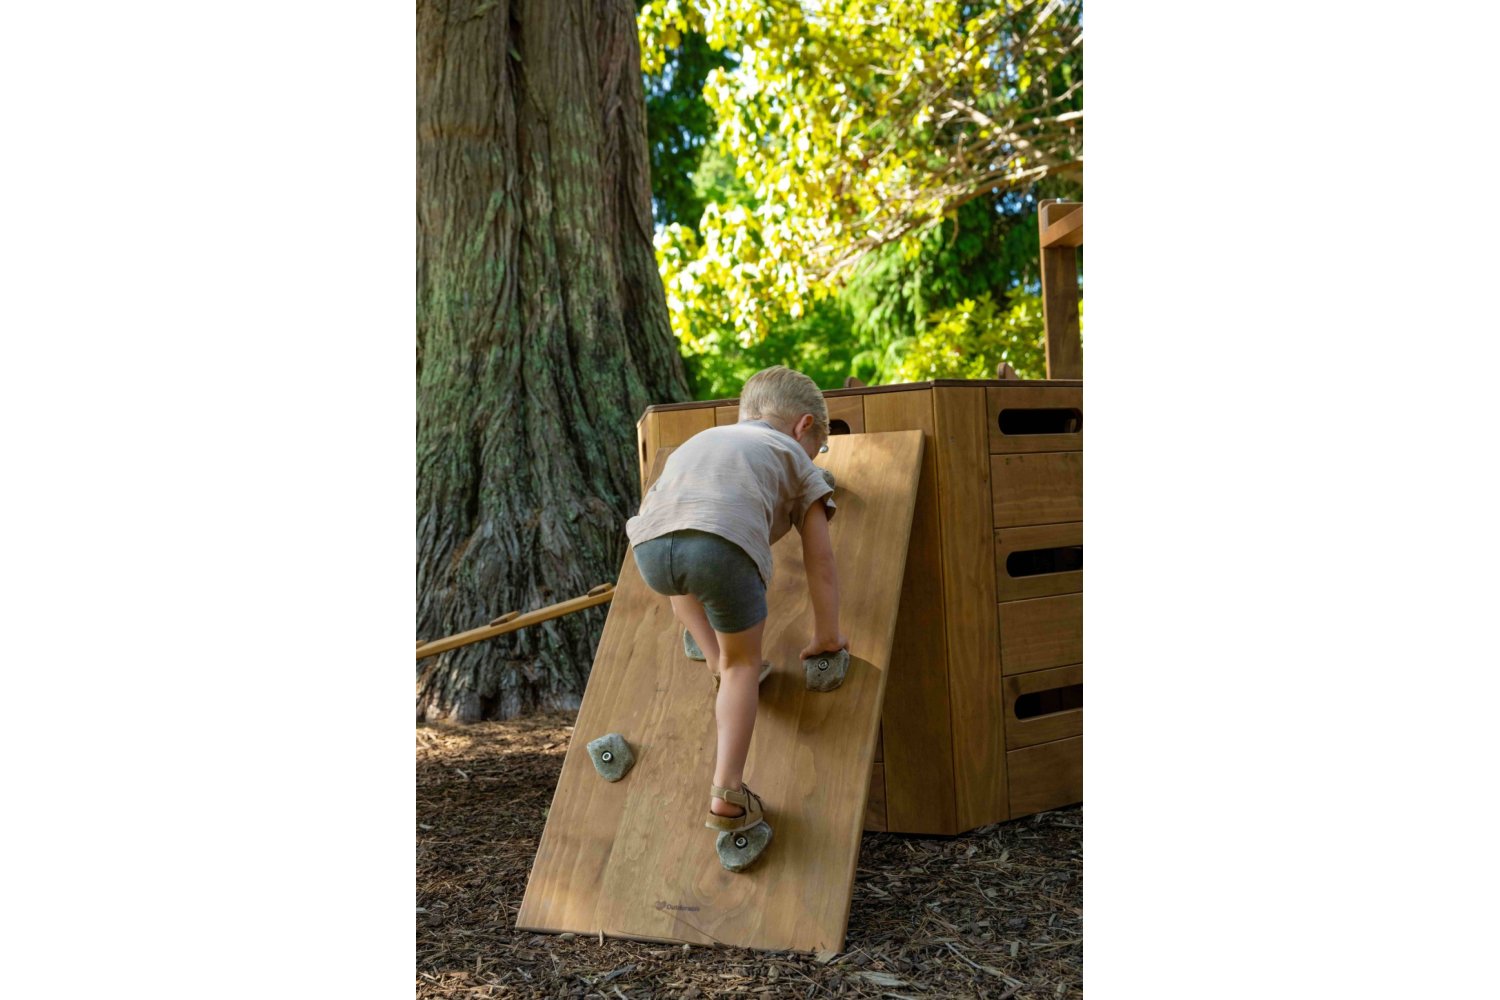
(996, 913)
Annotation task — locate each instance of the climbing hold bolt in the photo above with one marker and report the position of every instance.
(738, 851)
(612, 756)
(826, 671)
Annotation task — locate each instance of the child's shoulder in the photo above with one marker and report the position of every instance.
(744, 432)
(758, 434)
(751, 438)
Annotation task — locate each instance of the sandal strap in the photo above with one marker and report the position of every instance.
(731, 795)
(735, 796)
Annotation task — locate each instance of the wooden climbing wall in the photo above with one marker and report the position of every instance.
(633, 859)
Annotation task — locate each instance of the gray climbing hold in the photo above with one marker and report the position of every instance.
(612, 756)
(738, 851)
(690, 647)
(827, 478)
(826, 671)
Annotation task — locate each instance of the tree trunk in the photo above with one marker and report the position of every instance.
(542, 333)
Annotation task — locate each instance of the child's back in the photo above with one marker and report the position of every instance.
(748, 483)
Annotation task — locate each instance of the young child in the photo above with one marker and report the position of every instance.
(704, 535)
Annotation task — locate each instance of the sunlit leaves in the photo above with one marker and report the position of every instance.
(851, 124)
(970, 339)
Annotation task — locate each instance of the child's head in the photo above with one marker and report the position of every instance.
(784, 396)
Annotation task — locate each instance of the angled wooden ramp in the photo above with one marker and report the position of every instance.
(632, 859)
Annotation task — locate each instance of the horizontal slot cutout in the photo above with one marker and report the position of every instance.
(1049, 702)
(1035, 562)
(1020, 421)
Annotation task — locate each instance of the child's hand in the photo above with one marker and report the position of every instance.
(828, 645)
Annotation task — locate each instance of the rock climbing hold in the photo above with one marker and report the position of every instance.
(738, 851)
(690, 647)
(612, 756)
(826, 671)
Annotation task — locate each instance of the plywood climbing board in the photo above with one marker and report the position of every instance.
(632, 859)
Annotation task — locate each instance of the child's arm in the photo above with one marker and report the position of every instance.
(822, 583)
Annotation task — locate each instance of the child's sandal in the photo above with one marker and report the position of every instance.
(765, 671)
(755, 810)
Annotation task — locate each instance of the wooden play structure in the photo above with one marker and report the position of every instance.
(983, 717)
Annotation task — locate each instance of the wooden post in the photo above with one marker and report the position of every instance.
(1061, 232)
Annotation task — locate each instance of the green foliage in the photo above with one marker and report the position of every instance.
(855, 123)
(818, 345)
(678, 124)
(988, 250)
(863, 184)
(970, 339)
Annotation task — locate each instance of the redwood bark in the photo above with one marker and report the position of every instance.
(542, 333)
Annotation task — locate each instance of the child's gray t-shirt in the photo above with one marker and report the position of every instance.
(747, 482)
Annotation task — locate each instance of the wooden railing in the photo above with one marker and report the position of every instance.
(1061, 225)
(512, 620)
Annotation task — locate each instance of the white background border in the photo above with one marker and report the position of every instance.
(1291, 513)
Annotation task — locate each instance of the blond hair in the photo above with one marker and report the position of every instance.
(784, 394)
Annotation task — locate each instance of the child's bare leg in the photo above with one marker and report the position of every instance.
(739, 695)
(689, 611)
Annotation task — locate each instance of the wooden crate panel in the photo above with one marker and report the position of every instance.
(645, 434)
(880, 733)
(1045, 777)
(875, 801)
(632, 859)
(1027, 419)
(968, 582)
(847, 412)
(1043, 706)
(915, 727)
(1040, 633)
(1042, 488)
(676, 426)
(726, 415)
(1032, 561)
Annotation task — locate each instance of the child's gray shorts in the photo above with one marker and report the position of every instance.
(715, 570)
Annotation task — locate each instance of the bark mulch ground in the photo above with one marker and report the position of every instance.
(994, 913)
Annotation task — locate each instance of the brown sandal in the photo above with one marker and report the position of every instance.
(755, 810)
